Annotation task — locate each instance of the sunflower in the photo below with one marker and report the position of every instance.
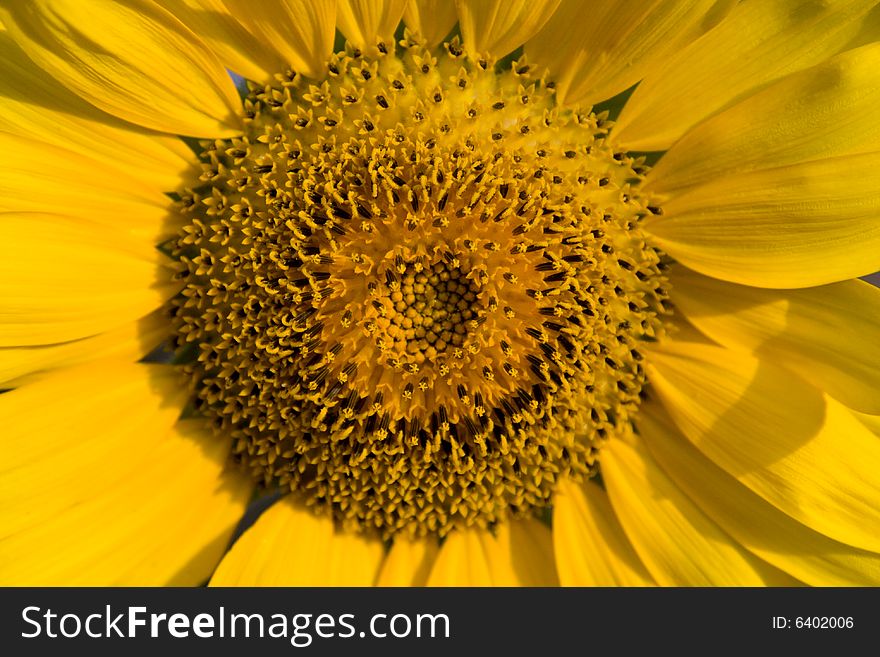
(473, 292)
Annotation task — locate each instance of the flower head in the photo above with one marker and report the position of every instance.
(435, 297)
(419, 289)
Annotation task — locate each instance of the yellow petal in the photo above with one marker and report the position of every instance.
(801, 451)
(870, 421)
(236, 47)
(62, 279)
(680, 329)
(38, 177)
(408, 563)
(99, 489)
(821, 112)
(676, 541)
(594, 50)
(215, 495)
(497, 27)
(520, 554)
(35, 106)
(90, 416)
(463, 560)
(431, 19)
(366, 22)
(758, 526)
(590, 546)
(759, 42)
(794, 226)
(130, 58)
(830, 335)
(526, 558)
(289, 545)
(131, 341)
(300, 32)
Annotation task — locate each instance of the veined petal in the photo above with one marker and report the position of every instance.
(676, 541)
(758, 526)
(236, 47)
(38, 177)
(497, 27)
(615, 42)
(818, 113)
(90, 416)
(130, 58)
(759, 42)
(36, 107)
(408, 563)
(799, 225)
(590, 546)
(291, 546)
(521, 554)
(463, 559)
(431, 19)
(365, 22)
(803, 452)
(132, 500)
(130, 342)
(830, 335)
(300, 32)
(63, 279)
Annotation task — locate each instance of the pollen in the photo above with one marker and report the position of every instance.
(416, 292)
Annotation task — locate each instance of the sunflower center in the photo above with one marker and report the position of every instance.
(417, 289)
